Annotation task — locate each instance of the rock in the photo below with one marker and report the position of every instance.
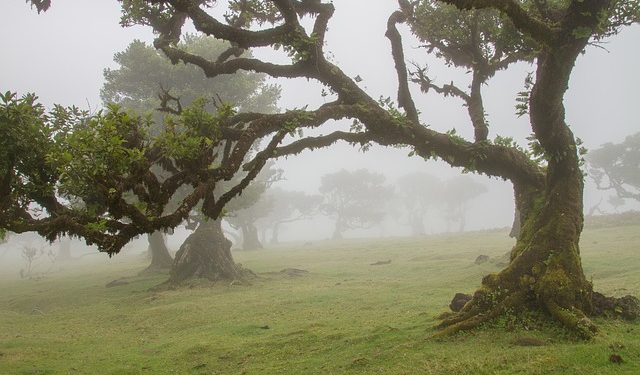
(481, 259)
(615, 358)
(116, 283)
(458, 301)
(294, 272)
(381, 262)
(627, 307)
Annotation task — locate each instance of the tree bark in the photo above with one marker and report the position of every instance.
(206, 253)
(161, 259)
(515, 227)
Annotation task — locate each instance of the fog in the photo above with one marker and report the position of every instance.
(61, 54)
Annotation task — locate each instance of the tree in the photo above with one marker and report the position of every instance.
(144, 78)
(92, 176)
(617, 166)
(355, 199)
(419, 192)
(246, 210)
(287, 207)
(545, 272)
(457, 193)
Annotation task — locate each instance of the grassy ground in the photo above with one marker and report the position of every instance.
(344, 317)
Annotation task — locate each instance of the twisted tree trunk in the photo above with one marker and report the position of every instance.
(206, 253)
(545, 272)
(161, 260)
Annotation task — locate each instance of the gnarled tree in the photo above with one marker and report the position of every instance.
(545, 271)
(144, 78)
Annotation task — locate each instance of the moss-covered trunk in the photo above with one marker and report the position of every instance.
(160, 257)
(545, 272)
(206, 253)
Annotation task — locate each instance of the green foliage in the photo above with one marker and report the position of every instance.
(399, 118)
(452, 34)
(522, 98)
(300, 46)
(299, 117)
(107, 144)
(621, 13)
(25, 140)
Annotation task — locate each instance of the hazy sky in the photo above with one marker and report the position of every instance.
(61, 54)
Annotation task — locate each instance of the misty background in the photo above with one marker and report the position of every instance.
(61, 54)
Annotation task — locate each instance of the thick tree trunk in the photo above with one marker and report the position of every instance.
(515, 227)
(274, 234)
(160, 257)
(339, 228)
(206, 253)
(250, 240)
(545, 272)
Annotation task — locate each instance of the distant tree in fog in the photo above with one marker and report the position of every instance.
(617, 167)
(419, 192)
(287, 207)
(457, 193)
(354, 199)
(243, 212)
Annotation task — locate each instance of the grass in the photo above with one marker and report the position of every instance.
(344, 317)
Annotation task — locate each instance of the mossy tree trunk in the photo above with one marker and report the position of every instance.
(545, 272)
(161, 259)
(206, 253)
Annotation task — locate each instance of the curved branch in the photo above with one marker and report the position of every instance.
(311, 143)
(208, 25)
(404, 94)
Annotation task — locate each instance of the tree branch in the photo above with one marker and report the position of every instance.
(404, 94)
(537, 29)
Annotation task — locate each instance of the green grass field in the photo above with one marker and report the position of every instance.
(344, 317)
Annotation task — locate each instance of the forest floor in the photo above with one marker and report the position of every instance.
(345, 316)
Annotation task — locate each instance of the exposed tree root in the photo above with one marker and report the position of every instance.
(487, 306)
(476, 313)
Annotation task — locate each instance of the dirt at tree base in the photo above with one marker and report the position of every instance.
(627, 307)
